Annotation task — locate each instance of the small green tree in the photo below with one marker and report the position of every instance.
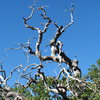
(93, 77)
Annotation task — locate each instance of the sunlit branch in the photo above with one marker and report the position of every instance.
(17, 96)
(18, 67)
(72, 19)
(28, 67)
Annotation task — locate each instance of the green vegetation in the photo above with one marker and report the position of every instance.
(89, 92)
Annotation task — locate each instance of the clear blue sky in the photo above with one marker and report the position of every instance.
(81, 39)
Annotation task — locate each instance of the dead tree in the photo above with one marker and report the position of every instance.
(57, 55)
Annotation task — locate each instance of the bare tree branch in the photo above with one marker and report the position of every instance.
(29, 66)
(72, 19)
(16, 96)
(20, 66)
(26, 19)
